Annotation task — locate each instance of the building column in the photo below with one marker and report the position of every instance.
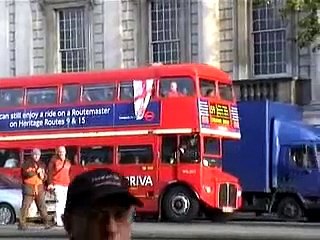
(24, 38)
(312, 112)
(112, 34)
(209, 34)
(4, 39)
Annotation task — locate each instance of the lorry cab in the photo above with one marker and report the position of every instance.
(298, 167)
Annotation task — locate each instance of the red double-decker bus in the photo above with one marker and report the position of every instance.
(160, 126)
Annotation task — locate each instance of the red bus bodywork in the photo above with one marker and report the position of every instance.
(206, 117)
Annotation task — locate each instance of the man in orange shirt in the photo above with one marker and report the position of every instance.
(59, 180)
(173, 92)
(33, 175)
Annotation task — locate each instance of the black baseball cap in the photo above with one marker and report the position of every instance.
(95, 185)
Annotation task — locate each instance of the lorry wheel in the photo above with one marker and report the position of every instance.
(289, 209)
(180, 205)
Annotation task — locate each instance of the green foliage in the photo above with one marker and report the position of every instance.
(308, 23)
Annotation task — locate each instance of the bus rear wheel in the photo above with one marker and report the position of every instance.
(180, 205)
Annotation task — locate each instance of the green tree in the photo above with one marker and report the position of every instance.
(308, 23)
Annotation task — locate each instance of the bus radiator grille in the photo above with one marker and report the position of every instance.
(227, 195)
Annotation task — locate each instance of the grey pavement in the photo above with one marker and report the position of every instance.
(197, 230)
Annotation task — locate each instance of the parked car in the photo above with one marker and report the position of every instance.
(11, 199)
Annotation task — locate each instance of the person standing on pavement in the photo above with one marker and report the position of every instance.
(33, 176)
(99, 206)
(58, 180)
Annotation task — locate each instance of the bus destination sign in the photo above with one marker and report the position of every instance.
(106, 115)
(216, 114)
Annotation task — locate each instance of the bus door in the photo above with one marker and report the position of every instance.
(168, 159)
(189, 162)
(136, 161)
(180, 158)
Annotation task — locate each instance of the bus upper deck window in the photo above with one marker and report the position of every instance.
(176, 87)
(11, 97)
(42, 96)
(126, 91)
(207, 88)
(225, 91)
(98, 92)
(70, 93)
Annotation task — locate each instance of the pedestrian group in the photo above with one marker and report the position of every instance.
(96, 205)
(34, 176)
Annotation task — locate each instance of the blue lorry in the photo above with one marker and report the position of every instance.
(277, 160)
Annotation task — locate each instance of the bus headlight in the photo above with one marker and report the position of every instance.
(239, 193)
(208, 189)
(205, 163)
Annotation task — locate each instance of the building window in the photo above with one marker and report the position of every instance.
(72, 39)
(269, 34)
(165, 24)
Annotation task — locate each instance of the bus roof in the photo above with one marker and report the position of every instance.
(118, 74)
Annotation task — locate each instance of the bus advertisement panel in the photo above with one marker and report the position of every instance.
(116, 115)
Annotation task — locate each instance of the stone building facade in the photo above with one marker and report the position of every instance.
(251, 43)
(44, 36)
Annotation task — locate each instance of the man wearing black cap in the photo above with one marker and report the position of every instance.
(99, 206)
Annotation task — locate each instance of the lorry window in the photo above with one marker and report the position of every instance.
(189, 149)
(42, 96)
(303, 156)
(9, 158)
(11, 97)
(211, 146)
(207, 88)
(168, 150)
(176, 87)
(70, 93)
(96, 155)
(225, 91)
(135, 154)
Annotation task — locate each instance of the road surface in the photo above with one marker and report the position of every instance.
(197, 230)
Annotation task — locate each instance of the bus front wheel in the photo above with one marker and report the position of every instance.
(180, 205)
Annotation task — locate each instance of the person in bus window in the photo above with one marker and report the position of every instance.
(19, 101)
(210, 93)
(108, 93)
(189, 150)
(173, 91)
(66, 98)
(127, 92)
(136, 160)
(86, 96)
(12, 161)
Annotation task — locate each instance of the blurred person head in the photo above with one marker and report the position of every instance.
(36, 154)
(173, 87)
(61, 152)
(99, 207)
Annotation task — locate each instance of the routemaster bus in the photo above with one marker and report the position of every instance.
(160, 126)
